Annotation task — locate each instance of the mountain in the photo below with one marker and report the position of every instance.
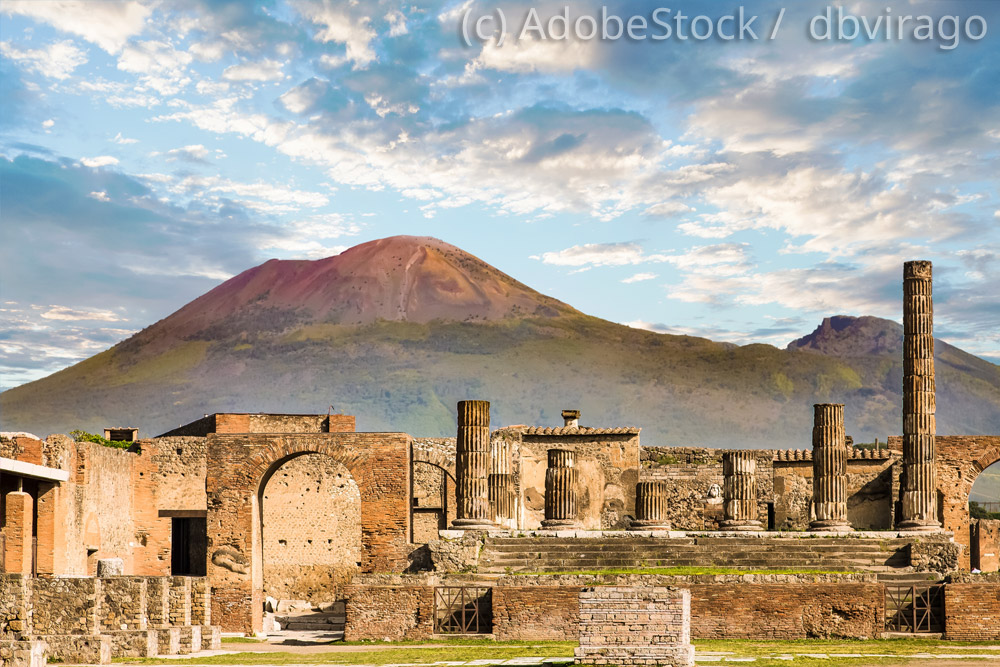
(398, 330)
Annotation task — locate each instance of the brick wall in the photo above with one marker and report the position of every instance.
(625, 625)
(311, 529)
(986, 545)
(536, 613)
(972, 611)
(389, 612)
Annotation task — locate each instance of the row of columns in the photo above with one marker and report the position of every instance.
(483, 476)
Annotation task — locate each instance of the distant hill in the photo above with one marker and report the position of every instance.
(396, 331)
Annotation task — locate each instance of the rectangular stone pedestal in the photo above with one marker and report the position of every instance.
(631, 625)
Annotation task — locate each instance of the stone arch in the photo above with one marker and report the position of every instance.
(239, 467)
(310, 521)
(960, 460)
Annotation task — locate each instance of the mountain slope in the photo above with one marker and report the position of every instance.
(397, 330)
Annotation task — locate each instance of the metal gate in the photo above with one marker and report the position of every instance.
(463, 610)
(914, 609)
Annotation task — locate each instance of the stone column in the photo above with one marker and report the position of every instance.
(501, 483)
(560, 489)
(739, 490)
(918, 479)
(651, 506)
(829, 469)
(472, 467)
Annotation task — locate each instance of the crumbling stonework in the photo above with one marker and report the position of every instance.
(986, 545)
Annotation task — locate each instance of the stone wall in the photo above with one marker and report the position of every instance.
(434, 504)
(608, 461)
(229, 422)
(389, 612)
(534, 613)
(311, 529)
(690, 474)
(65, 606)
(625, 625)
(13, 606)
(972, 611)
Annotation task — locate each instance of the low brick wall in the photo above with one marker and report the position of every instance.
(389, 612)
(536, 612)
(972, 611)
(787, 611)
(635, 625)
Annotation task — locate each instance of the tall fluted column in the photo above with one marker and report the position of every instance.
(651, 506)
(560, 489)
(919, 478)
(501, 483)
(472, 466)
(829, 469)
(739, 491)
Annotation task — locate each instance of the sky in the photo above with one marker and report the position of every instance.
(739, 189)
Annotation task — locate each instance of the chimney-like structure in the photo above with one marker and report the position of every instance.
(829, 469)
(472, 467)
(919, 477)
(571, 417)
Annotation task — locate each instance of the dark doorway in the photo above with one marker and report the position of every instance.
(189, 546)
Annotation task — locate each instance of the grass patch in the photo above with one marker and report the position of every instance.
(242, 640)
(380, 655)
(897, 651)
(674, 571)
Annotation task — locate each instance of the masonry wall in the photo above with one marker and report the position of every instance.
(690, 474)
(389, 612)
(536, 613)
(434, 505)
(311, 529)
(609, 471)
(972, 611)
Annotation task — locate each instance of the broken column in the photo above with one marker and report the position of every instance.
(651, 506)
(560, 490)
(829, 469)
(739, 491)
(918, 479)
(472, 467)
(501, 483)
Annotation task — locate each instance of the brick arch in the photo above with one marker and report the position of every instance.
(960, 460)
(238, 467)
(436, 459)
(987, 459)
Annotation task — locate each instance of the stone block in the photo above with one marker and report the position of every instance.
(23, 653)
(82, 649)
(110, 567)
(168, 640)
(211, 638)
(134, 644)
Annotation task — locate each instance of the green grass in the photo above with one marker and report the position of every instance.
(673, 571)
(242, 640)
(411, 652)
(769, 653)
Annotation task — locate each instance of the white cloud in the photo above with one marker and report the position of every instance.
(640, 277)
(598, 254)
(71, 314)
(264, 70)
(532, 55)
(397, 23)
(48, 124)
(56, 61)
(99, 161)
(99, 195)
(342, 25)
(119, 139)
(107, 24)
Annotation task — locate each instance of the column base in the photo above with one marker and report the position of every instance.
(559, 524)
(829, 526)
(649, 524)
(743, 524)
(919, 526)
(472, 524)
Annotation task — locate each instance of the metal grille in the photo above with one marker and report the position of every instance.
(914, 609)
(463, 610)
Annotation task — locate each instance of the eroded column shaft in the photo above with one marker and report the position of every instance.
(501, 482)
(739, 490)
(918, 479)
(651, 506)
(472, 466)
(829, 469)
(560, 489)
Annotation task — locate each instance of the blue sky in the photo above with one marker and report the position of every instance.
(740, 190)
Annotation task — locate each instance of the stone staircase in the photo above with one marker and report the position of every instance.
(554, 554)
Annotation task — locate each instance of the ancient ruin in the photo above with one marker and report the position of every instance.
(215, 525)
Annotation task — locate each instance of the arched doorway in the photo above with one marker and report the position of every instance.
(310, 522)
(984, 515)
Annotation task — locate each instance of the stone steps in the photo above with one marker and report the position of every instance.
(317, 621)
(567, 553)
